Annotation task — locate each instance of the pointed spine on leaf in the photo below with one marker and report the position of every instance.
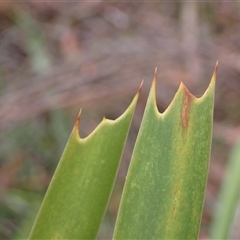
(152, 95)
(212, 83)
(77, 123)
(140, 88)
(215, 71)
(214, 76)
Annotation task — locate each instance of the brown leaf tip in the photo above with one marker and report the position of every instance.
(155, 74)
(140, 87)
(216, 67)
(77, 123)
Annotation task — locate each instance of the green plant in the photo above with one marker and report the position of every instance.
(164, 191)
(228, 197)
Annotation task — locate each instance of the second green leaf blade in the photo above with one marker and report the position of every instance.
(165, 185)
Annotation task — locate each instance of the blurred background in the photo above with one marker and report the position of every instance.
(58, 57)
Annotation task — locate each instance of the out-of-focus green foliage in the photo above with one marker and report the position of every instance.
(228, 198)
(35, 43)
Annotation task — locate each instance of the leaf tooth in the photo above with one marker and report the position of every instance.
(152, 95)
(214, 76)
(211, 84)
(140, 88)
(77, 123)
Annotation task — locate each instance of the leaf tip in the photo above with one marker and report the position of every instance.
(154, 82)
(140, 88)
(155, 74)
(77, 123)
(211, 87)
(216, 66)
(214, 77)
(152, 95)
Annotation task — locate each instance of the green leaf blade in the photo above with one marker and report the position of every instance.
(78, 194)
(164, 190)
